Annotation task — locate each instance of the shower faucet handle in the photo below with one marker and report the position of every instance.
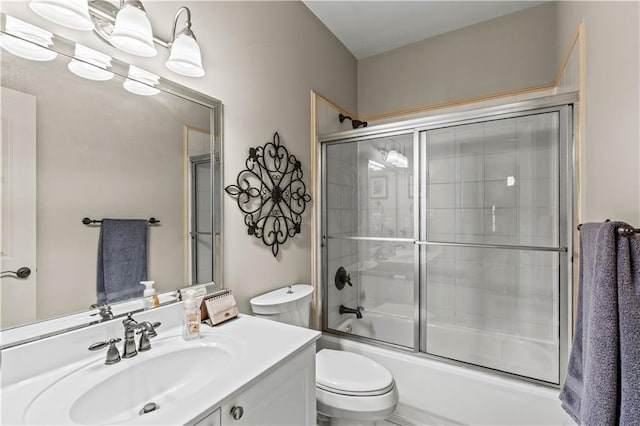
(342, 278)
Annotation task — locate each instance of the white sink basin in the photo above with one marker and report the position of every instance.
(170, 372)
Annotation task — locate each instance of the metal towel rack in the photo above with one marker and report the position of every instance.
(87, 221)
(623, 231)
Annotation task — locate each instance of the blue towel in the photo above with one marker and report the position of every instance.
(603, 380)
(122, 260)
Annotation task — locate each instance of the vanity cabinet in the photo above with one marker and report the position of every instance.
(283, 396)
(212, 419)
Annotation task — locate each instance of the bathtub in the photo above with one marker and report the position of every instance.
(388, 328)
(433, 392)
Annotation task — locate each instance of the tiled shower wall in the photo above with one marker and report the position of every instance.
(494, 183)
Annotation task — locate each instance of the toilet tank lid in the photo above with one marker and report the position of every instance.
(280, 300)
(350, 372)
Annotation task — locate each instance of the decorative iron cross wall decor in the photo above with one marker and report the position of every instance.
(271, 194)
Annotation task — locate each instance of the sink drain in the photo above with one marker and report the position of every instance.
(149, 407)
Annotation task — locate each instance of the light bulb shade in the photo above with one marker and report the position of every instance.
(141, 82)
(132, 32)
(30, 42)
(392, 157)
(185, 57)
(90, 64)
(403, 162)
(69, 13)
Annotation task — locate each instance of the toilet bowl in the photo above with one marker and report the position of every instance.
(350, 388)
(353, 387)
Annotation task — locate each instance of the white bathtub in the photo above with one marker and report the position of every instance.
(435, 392)
(387, 328)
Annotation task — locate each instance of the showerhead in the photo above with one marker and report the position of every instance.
(358, 123)
(354, 123)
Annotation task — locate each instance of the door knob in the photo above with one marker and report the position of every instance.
(21, 273)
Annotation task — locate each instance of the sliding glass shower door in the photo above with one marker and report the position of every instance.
(369, 235)
(492, 244)
(451, 237)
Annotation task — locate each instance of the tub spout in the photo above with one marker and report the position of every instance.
(344, 310)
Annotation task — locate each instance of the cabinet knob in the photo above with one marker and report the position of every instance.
(237, 412)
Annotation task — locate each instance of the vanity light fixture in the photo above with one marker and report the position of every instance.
(27, 40)
(127, 28)
(141, 82)
(185, 57)
(132, 31)
(395, 158)
(69, 13)
(90, 64)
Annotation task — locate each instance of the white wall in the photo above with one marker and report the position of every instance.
(611, 145)
(507, 53)
(261, 59)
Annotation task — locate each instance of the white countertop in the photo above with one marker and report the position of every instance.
(260, 345)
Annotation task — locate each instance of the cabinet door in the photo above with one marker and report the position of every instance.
(285, 396)
(212, 419)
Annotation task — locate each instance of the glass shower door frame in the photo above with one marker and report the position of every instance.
(567, 178)
(325, 275)
(565, 218)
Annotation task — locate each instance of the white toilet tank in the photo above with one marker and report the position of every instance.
(291, 305)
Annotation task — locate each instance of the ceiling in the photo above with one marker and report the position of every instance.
(368, 28)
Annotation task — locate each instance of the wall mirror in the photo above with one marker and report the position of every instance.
(121, 146)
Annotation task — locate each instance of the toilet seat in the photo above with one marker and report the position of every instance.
(354, 387)
(348, 373)
(352, 393)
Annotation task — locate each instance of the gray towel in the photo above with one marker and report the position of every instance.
(603, 381)
(122, 260)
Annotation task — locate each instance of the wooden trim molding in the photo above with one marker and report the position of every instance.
(315, 306)
(448, 104)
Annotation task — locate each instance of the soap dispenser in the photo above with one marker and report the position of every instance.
(150, 297)
(191, 323)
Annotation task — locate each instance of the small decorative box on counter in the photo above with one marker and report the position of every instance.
(219, 307)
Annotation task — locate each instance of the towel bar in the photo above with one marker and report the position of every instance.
(623, 231)
(87, 221)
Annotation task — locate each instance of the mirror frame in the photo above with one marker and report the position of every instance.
(53, 326)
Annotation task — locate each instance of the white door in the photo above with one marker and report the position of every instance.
(18, 212)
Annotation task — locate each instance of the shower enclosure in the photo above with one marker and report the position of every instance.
(454, 234)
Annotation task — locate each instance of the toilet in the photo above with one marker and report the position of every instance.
(350, 388)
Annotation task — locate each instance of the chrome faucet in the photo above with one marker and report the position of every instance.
(147, 330)
(105, 311)
(344, 310)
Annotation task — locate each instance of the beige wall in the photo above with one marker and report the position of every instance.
(261, 59)
(512, 52)
(611, 145)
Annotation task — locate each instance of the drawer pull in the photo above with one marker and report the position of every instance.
(237, 412)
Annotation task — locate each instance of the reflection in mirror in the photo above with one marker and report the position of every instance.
(74, 147)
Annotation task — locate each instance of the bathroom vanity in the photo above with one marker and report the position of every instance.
(245, 371)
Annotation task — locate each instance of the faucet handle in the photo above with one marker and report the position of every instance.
(113, 355)
(151, 332)
(144, 344)
(155, 325)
